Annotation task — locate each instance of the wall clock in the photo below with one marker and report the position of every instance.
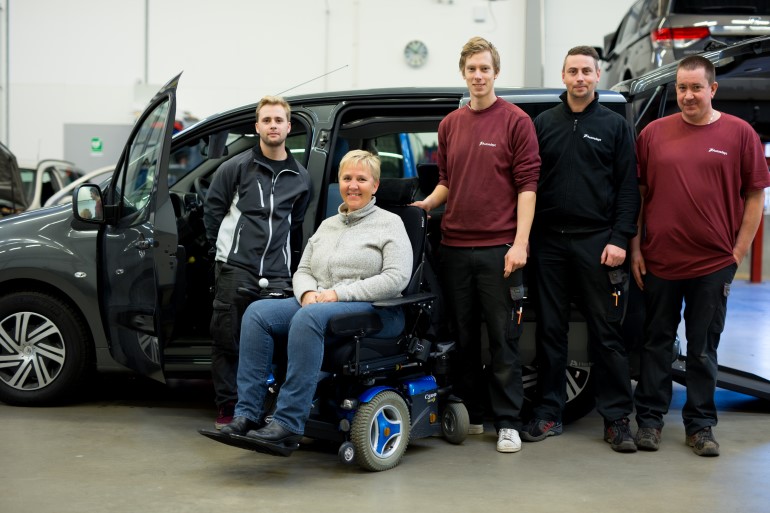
(415, 53)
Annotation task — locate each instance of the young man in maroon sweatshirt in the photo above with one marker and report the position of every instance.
(489, 166)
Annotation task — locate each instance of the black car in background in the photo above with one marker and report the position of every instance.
(132, 290)
(658, 32)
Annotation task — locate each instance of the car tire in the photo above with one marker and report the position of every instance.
(580, 392)
(44, 347)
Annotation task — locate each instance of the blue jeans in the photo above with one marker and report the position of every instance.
(265, 321)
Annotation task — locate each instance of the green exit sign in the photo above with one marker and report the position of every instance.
(97, 146)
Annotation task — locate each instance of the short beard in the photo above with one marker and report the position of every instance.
(268, 142)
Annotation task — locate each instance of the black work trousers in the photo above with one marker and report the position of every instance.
(476, 290)
(225, 328)
(705, 309)
(567, 268)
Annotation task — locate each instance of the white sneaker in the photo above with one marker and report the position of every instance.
(508, 440)
(476, 429)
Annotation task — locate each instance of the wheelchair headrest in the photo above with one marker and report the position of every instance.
(427, 174)
(396, 191)
(415, 223)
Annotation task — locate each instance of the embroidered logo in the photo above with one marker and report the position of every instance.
(482, 143)
(586, 136)
(712, 150)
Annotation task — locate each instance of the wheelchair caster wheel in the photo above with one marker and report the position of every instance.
(347, 453)
(455, 423)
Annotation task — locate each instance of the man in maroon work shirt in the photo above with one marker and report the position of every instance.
(702, 175)
(489, 166)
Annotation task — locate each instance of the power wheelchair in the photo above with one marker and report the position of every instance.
(374, 395)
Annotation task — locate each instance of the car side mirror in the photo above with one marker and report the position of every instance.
(87, 205)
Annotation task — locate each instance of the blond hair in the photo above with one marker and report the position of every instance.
(274, 100)
(364, 157)
(478, 45)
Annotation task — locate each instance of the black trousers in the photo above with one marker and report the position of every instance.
(225, 328)
(567, 269)
(475, 288)
(705, 309)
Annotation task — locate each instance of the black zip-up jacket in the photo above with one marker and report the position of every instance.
(588, 172)
(251, 212)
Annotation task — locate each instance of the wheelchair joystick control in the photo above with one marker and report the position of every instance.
(263, 283)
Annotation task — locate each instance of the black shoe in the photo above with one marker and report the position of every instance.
(273, 439)
(274, 433)
(231, 434)
(239, 426)
(618, 435)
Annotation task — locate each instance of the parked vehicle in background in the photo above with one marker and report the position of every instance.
(43, 179)
(658, 32)
(97, 176)
(12, 197)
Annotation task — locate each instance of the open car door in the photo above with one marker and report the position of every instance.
(12, 196)
(139, 253)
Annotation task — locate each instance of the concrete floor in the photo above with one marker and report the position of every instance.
(132, 446)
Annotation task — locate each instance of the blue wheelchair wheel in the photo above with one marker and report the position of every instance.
(380, 431)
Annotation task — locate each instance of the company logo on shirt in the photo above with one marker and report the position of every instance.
(482, 143)
(586, 136)
(712, 150)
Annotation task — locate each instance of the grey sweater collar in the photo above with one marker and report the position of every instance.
(356, 215)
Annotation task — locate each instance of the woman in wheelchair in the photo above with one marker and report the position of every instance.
(358, 256)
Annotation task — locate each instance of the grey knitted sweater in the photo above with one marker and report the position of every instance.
(364, 255)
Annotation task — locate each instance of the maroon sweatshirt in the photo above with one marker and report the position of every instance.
(485, 159)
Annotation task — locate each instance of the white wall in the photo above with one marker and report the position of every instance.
(570, 23)
(83, 61)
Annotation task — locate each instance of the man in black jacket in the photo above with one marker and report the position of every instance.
(586, 213)
(256, 202)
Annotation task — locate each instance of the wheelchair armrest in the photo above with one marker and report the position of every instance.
(411, 299)
(361, 324)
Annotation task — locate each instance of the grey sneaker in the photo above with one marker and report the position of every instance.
(647, 439)
(703, 443)
(508, 440)
(476, 429)
(539, 429)
(618, 435)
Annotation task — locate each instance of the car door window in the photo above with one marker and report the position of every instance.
(49, 184)
(137, 178)
(648, 15)
(401, 144)
(630, 24)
